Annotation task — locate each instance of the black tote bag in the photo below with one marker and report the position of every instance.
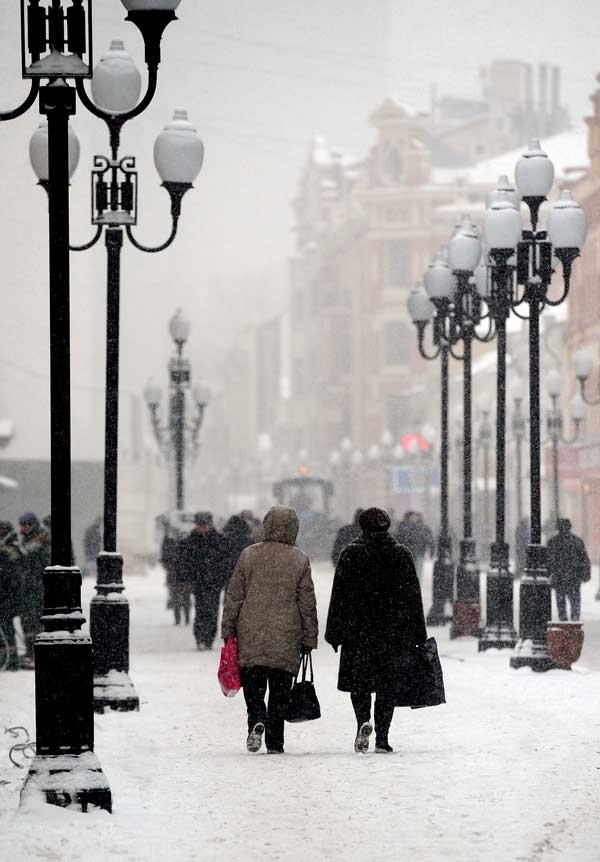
(303, 704)
(430, 678)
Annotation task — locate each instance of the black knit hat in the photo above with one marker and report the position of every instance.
(203, 519)
(375, 521)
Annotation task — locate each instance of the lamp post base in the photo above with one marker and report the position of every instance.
(442, 592)
(535, 611)
(67, 780)
(109, 630)
(467, 612)
(499, 632)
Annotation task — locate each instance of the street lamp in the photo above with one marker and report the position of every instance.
(534, 175)
(116, 88)
(171, 438)
(431, 305)
(555, 431)
(484, 442)
(56, 40)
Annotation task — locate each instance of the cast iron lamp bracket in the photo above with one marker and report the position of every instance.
(176, 192)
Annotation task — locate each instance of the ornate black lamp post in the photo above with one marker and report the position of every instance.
(178, 155)
(435, 307)
(177, 436)
(554, 422)
(535, 250)
(56, 38)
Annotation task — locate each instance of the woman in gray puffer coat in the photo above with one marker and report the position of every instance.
(270, 607)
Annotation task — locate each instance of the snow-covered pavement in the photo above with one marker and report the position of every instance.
(507, 770)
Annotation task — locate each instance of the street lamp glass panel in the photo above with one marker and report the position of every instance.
(154, 5)
(464, 249)
(583, 362)
(38, 151)
(117, 83)
(419, 306)
(178, 151)
(577, 408)
(201, 393)
(502, 225)
(554, 383)
(438, 279)
(534, 172)
(179, 327)
(346, 445)
(152, 394)
(567, 226)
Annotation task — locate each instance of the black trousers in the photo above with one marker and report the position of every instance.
(207, 613)
(254, 683)
(181, 596)
(574, 596)
(384, 712)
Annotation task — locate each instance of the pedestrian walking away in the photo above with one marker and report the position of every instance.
(376, 617)
(10, 595)
(203, 566)
(35, 549)
(344, 536)
(237, 535)
(270, 607)
(568, 566)
(417, 538)
(178, 575)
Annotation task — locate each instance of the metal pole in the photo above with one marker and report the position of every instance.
(519, 473)
(178, 434)
(109, 619)
(443, 568)
(65, 757)
(555, 436)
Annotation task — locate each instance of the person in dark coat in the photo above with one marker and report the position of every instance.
(568, 566)
(237, 535)
(92, 545)
(35, 549)
(376, 616)
(345, 535)
(521, 542)
(10, 595)
(179, 585)
(203, 566)
(417, 538)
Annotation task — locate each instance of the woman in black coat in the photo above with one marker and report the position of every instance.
(376, 616)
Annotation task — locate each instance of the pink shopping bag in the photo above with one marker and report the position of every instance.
(229, 669)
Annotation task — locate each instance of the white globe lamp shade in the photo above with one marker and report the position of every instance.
(502, 225)
(464, 249)
(334, 458)
(374, 452)
(178, 151)
(505, 190)
(420, 307)
(179, 327)
(346, 445)
(357, 458)
(38, 151)
(201, 393)
(152, 394)
(387, 438)
(577, 408)
(534, 172)
(117, 83)
(567, 227)
(583, 362)
(438, 279)
(554, 383)
(152, 5)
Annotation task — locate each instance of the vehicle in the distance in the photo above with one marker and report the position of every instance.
(310, 497)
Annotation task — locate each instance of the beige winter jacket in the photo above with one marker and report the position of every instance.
(270, 603)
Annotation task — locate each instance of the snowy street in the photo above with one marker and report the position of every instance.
(507, 769)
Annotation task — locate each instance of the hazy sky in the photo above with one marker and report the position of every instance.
(258, 79)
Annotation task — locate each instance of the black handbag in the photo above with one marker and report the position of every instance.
(430, 678)
(304, 703)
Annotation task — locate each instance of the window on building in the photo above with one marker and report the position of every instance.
(396, 263)
(396, 343)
